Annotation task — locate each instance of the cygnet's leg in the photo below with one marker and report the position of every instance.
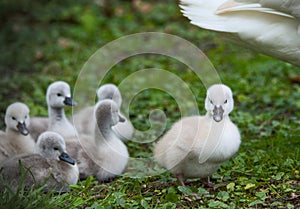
(206, 181)
(180, 179)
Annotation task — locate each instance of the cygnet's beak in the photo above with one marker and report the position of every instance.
(65, 157)
(22, 128)
(121, 119)
(69, 101)
(218, 113)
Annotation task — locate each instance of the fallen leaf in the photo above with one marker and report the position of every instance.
(248, 186)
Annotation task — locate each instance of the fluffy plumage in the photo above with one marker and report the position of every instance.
(85, 121)
(58, 96)
(16, 139)
(50, 165)
(196, 146)
(102, 155)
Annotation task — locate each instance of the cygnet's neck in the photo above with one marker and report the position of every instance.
(103, 129)
(20, 140)
(210, 117)
(11, 132)
(56, 115)
(15, 134)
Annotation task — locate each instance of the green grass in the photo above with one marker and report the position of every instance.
(44, 42)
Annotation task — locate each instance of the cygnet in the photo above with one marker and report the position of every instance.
(16, 139)
(102, 155)
(58, 96)
(196, 146)
(50, 166)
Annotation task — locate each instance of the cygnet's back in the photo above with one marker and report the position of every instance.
(16, 139)
(50, 165)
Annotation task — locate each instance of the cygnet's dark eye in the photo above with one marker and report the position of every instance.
(25, 116)
(59, 94)
(13, 118)
(55, 148)
(211, 102)
(225, 102)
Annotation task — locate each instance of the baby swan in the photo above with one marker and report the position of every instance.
(85, 122)
(57, 97)
(50, 165)
(16, 138)
(104, 155)
(196, 146)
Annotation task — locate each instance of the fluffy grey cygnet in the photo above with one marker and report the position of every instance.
(16, 139)
(102, 155)
(58, 96)
(49, 165)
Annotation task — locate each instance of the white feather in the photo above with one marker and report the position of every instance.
(270, 27)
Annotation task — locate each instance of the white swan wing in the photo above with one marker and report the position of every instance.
(253, 25)
(289, 9)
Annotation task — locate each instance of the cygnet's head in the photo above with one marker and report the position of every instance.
(52, 145)
(17, 118)
(219, 101)
(110, 91)
(107, 112)
(59, 95)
